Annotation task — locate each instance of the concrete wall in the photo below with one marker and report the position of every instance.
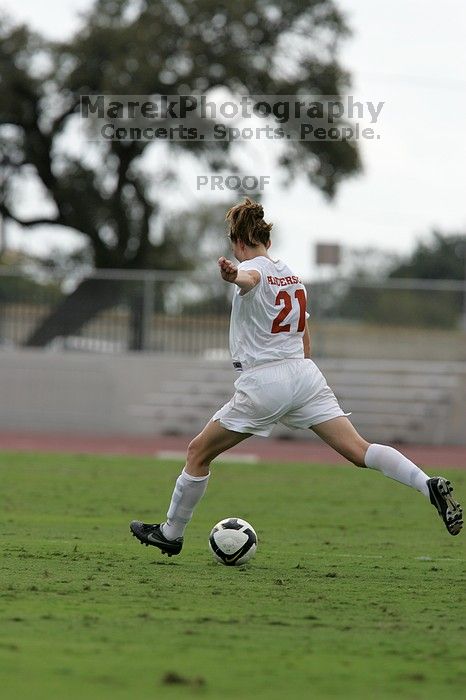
(146, 394)
(363, 341)
(74, 391)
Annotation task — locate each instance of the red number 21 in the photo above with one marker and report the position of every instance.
(284, 298)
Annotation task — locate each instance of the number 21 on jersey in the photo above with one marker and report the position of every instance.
(279, 325)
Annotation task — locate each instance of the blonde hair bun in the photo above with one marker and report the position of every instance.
(247, 223)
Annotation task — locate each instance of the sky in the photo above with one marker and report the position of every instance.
(408, 54)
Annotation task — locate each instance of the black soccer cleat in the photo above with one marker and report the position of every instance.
(450, 511)
(152, 534)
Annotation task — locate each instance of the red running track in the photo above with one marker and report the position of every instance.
(260, 449)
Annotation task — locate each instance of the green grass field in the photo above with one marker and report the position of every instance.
(356, 591)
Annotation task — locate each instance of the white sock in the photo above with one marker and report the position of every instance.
(396, 466)
(187, 493)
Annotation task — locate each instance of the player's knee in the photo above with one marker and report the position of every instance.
(196, 456)
(193, 451)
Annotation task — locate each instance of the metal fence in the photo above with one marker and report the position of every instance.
(174, 312)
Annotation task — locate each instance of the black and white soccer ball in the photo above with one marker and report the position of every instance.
(233, 541)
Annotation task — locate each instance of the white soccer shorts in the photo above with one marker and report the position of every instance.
(293, 392)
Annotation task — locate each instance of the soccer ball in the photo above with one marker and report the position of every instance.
(233, 541)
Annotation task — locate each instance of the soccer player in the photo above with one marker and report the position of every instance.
(278, 382)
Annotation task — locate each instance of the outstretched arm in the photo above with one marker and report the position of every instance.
(245, 279)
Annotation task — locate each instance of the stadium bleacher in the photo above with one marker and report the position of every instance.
(391, 401)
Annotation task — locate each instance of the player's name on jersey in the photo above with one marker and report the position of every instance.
(282, 281)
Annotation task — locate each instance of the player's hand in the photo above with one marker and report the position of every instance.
(228, 269)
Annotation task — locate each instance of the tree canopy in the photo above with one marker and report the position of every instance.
(439, 256)
(185, 47)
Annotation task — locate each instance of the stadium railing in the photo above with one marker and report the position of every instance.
(188, 313)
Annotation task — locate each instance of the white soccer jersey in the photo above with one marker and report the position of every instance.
(267, 323)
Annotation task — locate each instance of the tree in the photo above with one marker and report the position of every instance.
(105, 191)
(22, 287)
(438, 257)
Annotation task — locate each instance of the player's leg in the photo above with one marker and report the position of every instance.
(340, 434)
(189, 488)
(211, 442)
(192, 482)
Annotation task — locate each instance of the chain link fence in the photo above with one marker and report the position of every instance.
(175, 312)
